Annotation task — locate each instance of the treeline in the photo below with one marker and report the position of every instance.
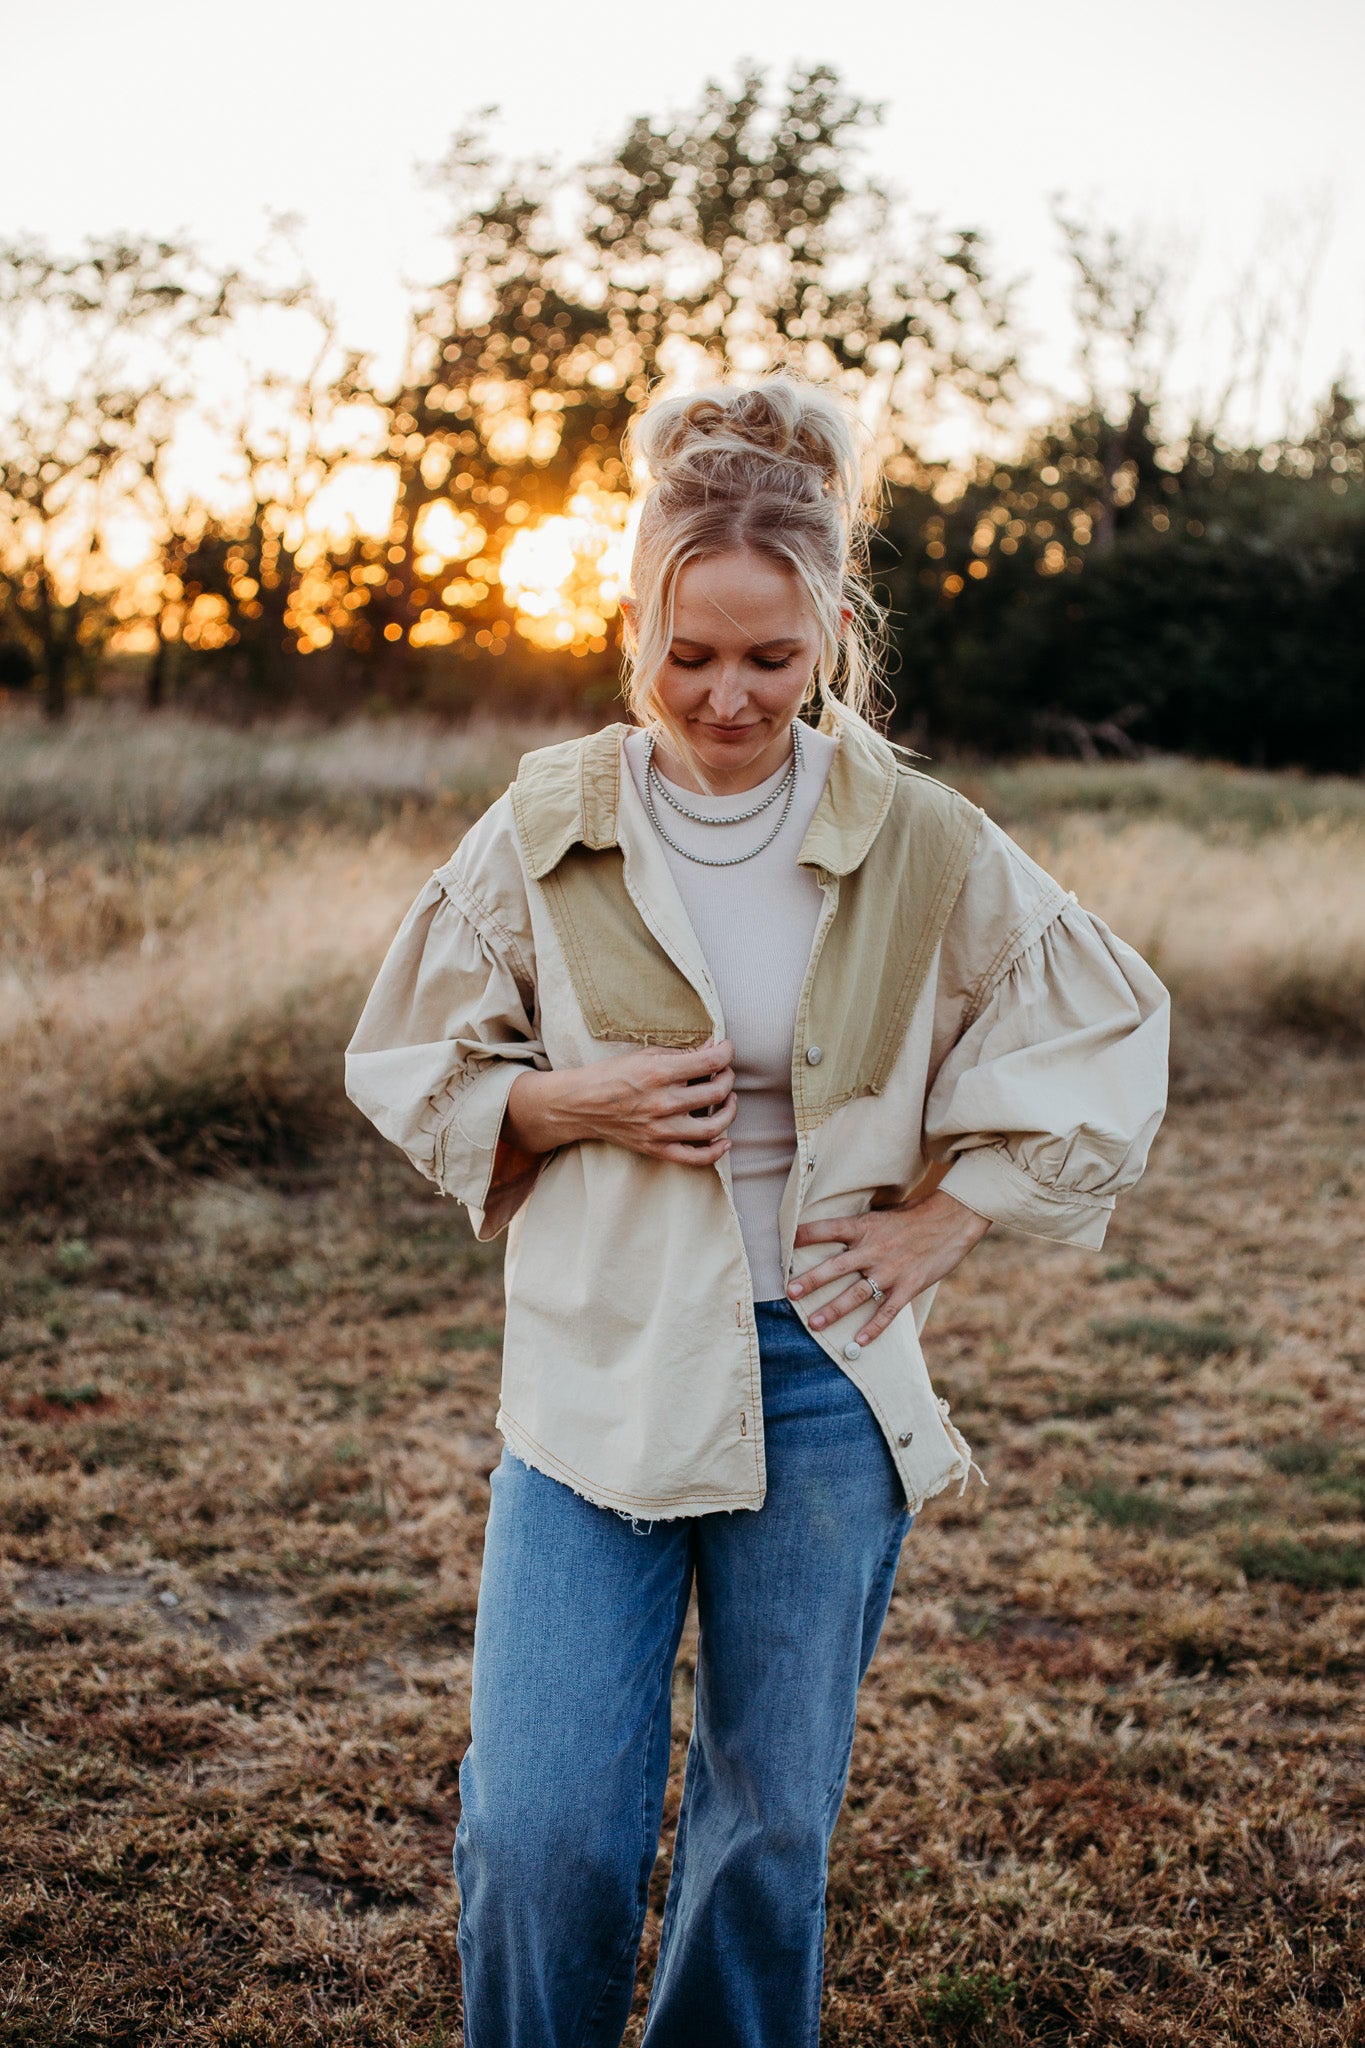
(195, 476)
(1208, 601)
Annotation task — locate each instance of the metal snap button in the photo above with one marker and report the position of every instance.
(814, 1055)
(907, 1436)
(853, 1352)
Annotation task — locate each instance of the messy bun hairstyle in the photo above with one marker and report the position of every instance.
(780, 467)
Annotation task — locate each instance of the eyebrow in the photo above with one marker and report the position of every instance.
(757, 646)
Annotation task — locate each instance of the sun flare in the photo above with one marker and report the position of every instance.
(564, 577)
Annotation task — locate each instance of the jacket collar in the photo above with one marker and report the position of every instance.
(855, 800)
(570, 795)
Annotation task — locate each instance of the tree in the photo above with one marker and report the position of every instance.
(260, 553)
(1122, 306)
(743, 233)
(93, 358)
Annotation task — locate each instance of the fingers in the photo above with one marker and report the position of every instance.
(852, 1232)
(696, 1060)
(696, 1095)
(694, 1155)
(693, 1129)
(816, 1277)
(843, 1230)
(858, 1295)
(886, 1314)
(831, 1230)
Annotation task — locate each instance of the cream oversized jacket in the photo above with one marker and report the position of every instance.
(963, 1023)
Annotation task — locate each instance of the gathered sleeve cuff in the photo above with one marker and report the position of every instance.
(1047, 1104)
(445, 1032)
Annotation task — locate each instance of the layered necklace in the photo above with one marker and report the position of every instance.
(656, 787)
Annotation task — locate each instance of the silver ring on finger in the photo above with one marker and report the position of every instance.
(878, 1293)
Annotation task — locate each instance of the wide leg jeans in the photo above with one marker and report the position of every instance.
(580, 1614)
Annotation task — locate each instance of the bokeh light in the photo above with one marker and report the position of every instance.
(565, 575)
(445, 532)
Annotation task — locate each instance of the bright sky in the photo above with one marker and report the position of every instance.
(1232, 126)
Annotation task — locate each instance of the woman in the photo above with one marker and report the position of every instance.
(749, 1033)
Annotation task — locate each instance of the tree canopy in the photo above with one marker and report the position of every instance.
(1117, 578)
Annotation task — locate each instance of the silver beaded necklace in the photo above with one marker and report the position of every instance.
(654, 782)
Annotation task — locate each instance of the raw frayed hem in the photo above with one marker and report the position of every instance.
(961, 1471)
(640, 1524)
(637, 1522)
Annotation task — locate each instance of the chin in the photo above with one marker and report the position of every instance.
(749, 739)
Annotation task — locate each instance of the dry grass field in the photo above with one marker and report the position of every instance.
(1107, 1788)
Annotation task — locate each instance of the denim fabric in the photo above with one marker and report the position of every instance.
(580, 1613)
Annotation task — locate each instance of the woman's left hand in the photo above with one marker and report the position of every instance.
(904, 1250)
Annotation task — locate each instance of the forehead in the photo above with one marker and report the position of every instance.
(744, 596)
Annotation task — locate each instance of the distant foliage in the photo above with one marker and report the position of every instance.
(1123, 581)
(1217, 609)
(736, 236)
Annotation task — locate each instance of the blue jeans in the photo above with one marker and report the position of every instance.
(562, 1787)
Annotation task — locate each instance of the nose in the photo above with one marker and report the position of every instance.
(728, 694)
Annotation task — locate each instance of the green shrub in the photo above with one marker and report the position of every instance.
(1315, 1568)
(1168, 1339)
(1132, 1508)
(471, 1337)
(73, 1397)
(1302, 1457)
(962, 2001)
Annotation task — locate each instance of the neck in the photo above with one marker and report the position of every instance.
(723, 778)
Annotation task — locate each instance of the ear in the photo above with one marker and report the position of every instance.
(630, 612)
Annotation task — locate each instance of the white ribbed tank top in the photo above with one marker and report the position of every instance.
(754, 924)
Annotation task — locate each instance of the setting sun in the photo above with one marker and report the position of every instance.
(565, 576)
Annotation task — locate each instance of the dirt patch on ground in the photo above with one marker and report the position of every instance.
(225, 1615)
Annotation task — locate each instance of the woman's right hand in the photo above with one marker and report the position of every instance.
(645, 1101)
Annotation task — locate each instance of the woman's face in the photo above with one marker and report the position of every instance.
(745, 644)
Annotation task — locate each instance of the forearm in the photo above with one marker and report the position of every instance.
(545, 1110)
(666, 1104)
(951, 1219)
(947, 1231)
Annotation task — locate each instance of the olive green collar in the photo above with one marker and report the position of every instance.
(570, 795)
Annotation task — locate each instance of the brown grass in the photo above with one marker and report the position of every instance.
(1106, 1788)
(1267, 929)
(1107, 1783)
(112, 774)
(188, 934)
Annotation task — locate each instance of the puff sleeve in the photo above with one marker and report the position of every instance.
(444, 1033)
(1048, 1101)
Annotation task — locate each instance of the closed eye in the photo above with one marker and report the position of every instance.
(700, 661)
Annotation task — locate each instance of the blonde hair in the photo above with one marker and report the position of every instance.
(780, 467)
